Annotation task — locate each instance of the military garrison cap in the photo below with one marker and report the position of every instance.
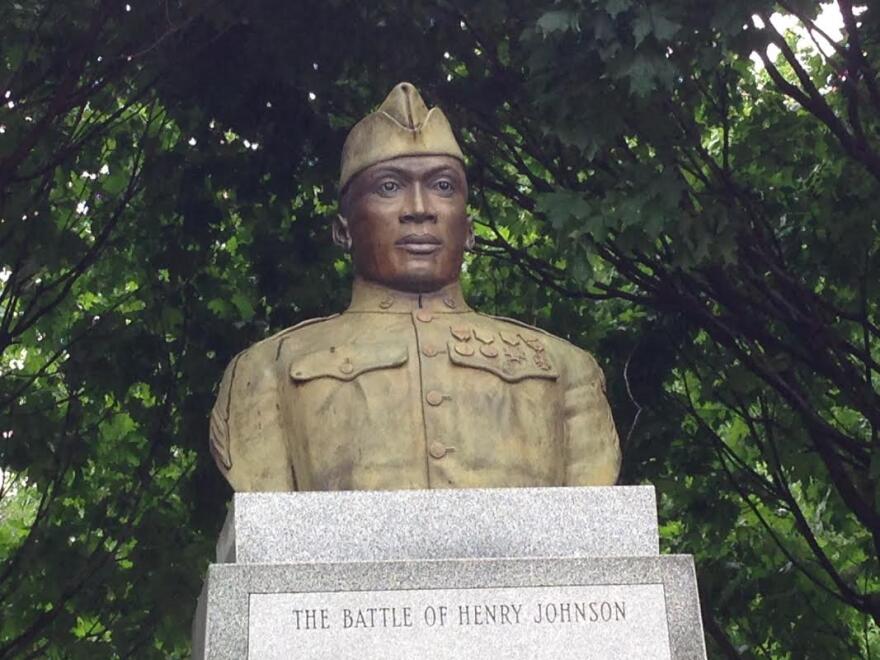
(402, 126)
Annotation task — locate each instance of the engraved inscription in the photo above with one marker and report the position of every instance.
(595, 621)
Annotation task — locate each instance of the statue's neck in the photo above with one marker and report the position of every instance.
(372, 297)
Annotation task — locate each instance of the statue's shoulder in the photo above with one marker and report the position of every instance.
(268, 349)
(307, 327)
(247, 388)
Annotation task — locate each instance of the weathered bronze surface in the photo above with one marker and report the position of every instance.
(410, 387)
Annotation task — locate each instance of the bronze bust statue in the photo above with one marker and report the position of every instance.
(410, 387)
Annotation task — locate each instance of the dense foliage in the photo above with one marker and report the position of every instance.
(687, 189)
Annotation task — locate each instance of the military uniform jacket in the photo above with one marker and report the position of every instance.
(412, 391)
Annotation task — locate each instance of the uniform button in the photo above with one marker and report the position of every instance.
(428, 350)
(346, 367)
(464, 349)
(386, 302)
(437, 450)
(434, 397)
(424, 316)
(449, 302)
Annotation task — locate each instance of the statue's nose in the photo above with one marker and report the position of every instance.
(416, 209)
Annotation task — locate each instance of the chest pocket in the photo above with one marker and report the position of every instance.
(510, 363)
(348, 362)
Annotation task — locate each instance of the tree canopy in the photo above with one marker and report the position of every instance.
(689, 190)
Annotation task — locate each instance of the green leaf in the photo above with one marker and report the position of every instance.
(650, 21)
(615, 7)
(562, 206)
(559, 20)
(244, 306)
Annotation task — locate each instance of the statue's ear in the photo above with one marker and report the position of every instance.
(470, 239)
(341, 235)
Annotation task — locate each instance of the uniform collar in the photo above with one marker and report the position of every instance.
(372, 297)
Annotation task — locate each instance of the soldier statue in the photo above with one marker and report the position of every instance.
(409, 387)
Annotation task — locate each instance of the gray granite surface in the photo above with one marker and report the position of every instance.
(639, 607)
(619, 521)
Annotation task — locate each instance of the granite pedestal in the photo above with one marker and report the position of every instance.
(501, 573)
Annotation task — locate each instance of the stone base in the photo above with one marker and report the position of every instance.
(522, 608)
(506, 573)
(271, 528)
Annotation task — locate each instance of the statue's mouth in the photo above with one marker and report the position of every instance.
(419, 243)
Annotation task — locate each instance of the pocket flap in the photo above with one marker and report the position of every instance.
(512, 364)
(348, 362)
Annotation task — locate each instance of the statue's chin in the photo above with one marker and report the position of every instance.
(414, 283)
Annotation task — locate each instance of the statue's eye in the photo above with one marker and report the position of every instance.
(444, 186)
(388, 187)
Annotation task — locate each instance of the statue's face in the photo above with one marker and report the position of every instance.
(406, 220)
